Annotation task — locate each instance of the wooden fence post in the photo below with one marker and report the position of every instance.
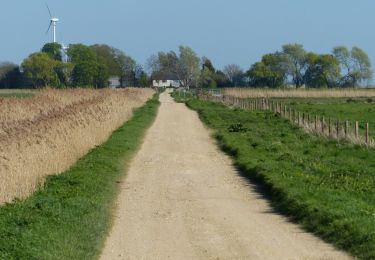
(329, 127)
(337, 129)
(322, 124)
(308, 120)
(367, 134)
(316, 123)
(356, 129)
(299, 118)
(346, 128)
(290, 113)
(285, 112)
(303, 118)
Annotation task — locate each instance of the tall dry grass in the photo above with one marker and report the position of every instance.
(47, 133)
(298, 93)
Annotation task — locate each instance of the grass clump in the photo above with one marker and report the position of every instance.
(326, 186)
(70, 217)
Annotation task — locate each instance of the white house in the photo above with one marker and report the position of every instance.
(114, 82)
(166, 83)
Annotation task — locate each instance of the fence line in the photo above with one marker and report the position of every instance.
(327, 127)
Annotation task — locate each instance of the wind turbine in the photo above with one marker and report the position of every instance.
(53, 22)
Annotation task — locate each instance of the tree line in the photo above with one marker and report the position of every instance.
(78, 66)
(91, 66)
(341, 68)
(293, 65)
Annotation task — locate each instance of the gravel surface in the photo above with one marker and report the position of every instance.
(183, 199)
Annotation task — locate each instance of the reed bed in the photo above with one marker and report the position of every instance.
(298, 93)
(47, 133)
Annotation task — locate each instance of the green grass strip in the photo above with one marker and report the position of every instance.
(326, 186)
(70, 217)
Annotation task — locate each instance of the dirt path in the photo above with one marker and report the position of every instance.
(182, 199)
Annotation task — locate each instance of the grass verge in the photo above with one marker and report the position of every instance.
(326, 186)
(70, 217)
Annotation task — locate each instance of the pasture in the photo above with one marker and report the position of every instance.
(326, 186)
(341, 114)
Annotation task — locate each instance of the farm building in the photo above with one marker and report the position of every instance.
(114, 82)
(166, 81)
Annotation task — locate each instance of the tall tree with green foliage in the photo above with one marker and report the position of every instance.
(355, 66)
(127, 67)
(188, 67)
(322, 71)
(89, 70)
(144, 80)
(53, 50)
(270, 72)
(40, 70)
(109, 56)
(295, 62)
(208, 74)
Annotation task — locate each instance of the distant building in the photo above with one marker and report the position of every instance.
(114, 82)
(166, 81)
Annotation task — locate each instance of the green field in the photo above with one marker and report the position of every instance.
(328, 187)
(18, 93)
(69, 218)
(352, 109)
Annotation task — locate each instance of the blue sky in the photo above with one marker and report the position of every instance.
(226, 31)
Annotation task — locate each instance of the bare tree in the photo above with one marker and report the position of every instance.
(184, 67)
(234, 74)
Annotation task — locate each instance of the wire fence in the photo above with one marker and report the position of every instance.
(340, 130)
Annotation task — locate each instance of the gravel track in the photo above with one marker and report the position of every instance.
(183, 199)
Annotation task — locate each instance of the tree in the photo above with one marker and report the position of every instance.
(89, 70)
(101, 76)
(322, 71)
(221, 80)
(64, 71)
(10, 75)
(163, 65)
(208, 74)
(184, 67)
(53, 50)
(144, 80)
(269, 72)
(234, 74)
(39, 68)
(127, 68)
(79, 52)
(109, 56)
(84, 74)
(295, 62)
(355, 66)
(188, 69)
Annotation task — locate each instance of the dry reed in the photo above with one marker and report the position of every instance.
(47, 133)
(298, 93)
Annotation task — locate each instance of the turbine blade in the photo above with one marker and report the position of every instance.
(49, 27)
(49, 11)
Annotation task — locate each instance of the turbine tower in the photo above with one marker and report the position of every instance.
(53, 22)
